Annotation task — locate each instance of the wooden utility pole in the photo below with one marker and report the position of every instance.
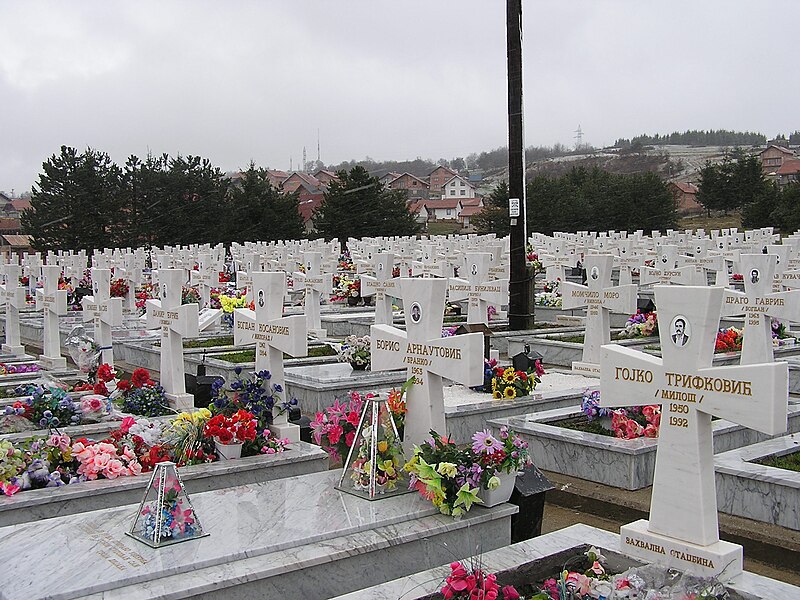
(519, 315)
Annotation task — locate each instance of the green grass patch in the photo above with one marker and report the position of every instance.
(209, 343)
(443, 228)
(790, 462)
(247, 356)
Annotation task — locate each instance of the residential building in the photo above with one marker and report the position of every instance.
(419, 210)
(436, 180)
(773, 157)
(685, 195)
(458, 187)
(276, 177)
(326, 177)
(298, 178)
(789, 172)
(388, 178)
(467, 214)
(414, 187)
(445, 209)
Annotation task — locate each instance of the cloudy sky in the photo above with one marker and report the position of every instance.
(389, 79)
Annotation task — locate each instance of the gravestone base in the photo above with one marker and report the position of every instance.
(181, 401)
(722, 559)
(319, 334)
(53, 363)
(12, 350)
(288, 431)
(584, 368)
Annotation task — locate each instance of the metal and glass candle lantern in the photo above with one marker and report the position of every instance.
(166, 515)
(374, 465)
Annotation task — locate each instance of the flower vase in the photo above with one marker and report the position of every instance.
(358, 366)
(229, 451)
(500, 494)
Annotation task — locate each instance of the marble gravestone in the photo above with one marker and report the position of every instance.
(383, 286)
(176, 321)
(132, 274)
(426, 355)
(273, 335)
(53, 302)
(600, 299)
(682, 530)
(759, 303)
(205, 277)
(104, 311)
(315, 283)
(477, 289)
(13, 297)
(703, 260)
(251, 263)
(666, 270)
(627, 260)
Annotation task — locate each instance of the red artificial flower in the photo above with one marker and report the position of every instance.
(141, 377)
(124, 385)
(100, 388)
(105, 373)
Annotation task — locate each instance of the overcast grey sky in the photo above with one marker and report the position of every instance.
(235, 81)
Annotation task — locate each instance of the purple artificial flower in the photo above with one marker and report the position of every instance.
(484, 441)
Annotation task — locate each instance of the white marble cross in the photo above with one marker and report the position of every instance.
(627, 260)
(13, 297)
(557, 261)
(131, 273)
(176, 321)
(383, 286)
(251, 263)
(32, 267)
(599, 298)
(683, 530)
(477, 289)
(273, 335)
(315, 283)
(205, 277)
(426, 355)
(703, 259)
(429, 264)
(759, 303)
(53, 303)
(666, 270)
(104, 311)
(783, 256)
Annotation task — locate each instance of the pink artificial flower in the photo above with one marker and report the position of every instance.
(651, 431)
(127, 423)
(9, 489)
(334, 433)
(113, 469)
(349, 437)
(597, 568)
(353, 418)
(61, 442)
(579, 581)
(510, 593)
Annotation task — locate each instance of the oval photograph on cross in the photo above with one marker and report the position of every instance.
(680, 331)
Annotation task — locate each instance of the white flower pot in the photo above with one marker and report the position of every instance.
(500, 494)
(229, 451)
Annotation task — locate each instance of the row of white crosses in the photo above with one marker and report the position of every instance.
(53, 302)
(13, 297)
(682, 530)
(103, 311)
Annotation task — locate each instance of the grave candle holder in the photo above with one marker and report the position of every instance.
(166, 515)
(374, 465)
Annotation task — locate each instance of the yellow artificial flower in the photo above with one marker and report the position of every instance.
(493, 483)
(494, 384)
(388, 467)
(447, 469)
(497, 395)
(383, 446)
(509, 374)
(510, 392)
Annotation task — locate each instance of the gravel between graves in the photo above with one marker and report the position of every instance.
(551, 382)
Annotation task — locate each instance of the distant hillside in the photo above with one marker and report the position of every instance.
(718, 137)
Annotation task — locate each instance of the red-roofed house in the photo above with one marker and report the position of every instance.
(685, 195)
(772, 158)
(467, 213)
(325, 177)
(436, 180)
(444, 209)
(276, 177)
(309, 199)
(388, 178)
(419, 210)
(789, 172)
(414, 187)
(296, 179)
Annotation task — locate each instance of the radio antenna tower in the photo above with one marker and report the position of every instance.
(318, 155)
(578, 137)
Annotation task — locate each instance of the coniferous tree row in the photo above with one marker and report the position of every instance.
(85, 201)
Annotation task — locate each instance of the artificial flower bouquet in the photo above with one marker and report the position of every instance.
(548, 299)
(356, 351)
(729, 340)
(507, 383)
(389, 459)
(505, 453)
(42, 407)
(256, 393)
(626, 423)
(176, 517)
(190, 295)
(119, 288)
(236, 429)
(140, 395)
(641, 325)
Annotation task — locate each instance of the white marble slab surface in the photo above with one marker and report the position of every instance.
(244, 522)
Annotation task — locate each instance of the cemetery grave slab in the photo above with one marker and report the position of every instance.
(563, 353)
(544, 556)
(756, 491)
(34, 505)
(316, 542)
(627, 464)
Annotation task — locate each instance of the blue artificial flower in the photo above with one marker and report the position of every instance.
(237, 370)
